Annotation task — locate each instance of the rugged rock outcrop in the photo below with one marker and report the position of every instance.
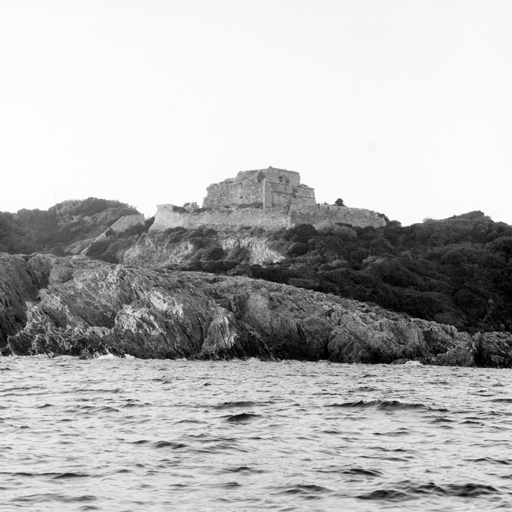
(156, 251)
(83, 307)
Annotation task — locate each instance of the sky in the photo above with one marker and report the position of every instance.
(399, 106)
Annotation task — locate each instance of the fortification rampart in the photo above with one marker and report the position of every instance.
(323, 215)
(169, 216)
(268, 198)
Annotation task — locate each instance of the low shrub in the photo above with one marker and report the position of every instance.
(214, 253)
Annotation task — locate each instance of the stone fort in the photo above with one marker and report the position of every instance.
(269, 198)
(265, 188)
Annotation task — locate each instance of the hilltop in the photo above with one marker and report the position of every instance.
(269, 198)
(66, 228)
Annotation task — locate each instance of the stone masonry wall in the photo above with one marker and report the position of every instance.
(323, 215)
(168, 216)
(291, 178)
(284, 194)
(235, 191)
(266, 187)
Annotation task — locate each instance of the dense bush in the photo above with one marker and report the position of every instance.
(214, 253)
(454, 271)
(301, 234)
(92, 206)
(52, 230)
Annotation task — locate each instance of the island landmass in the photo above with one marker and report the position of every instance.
(260, 270)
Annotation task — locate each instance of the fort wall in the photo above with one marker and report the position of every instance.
(169, 216)
(324, 215)
(234, 192)
(268, 198)
(284, 194)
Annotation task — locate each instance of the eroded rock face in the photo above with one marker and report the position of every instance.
(84, 307)
(17, 286)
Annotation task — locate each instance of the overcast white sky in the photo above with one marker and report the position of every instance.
(400, 106)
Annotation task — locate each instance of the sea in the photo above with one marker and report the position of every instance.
(125, 435)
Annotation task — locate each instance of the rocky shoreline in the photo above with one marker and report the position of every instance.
(82, 307)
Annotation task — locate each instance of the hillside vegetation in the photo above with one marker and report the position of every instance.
(62, 229)
(456, 271)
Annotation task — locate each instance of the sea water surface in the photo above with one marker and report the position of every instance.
(139, 435)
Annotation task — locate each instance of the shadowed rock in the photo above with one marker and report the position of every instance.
(74, 305)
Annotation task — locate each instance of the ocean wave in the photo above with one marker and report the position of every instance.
(362, 472)
(240, 403)
(168, 444)
(380, 404)
(304, 489)
(407, 491)
(243, 469)
(243, 417)
(54, 498)
(261, 437)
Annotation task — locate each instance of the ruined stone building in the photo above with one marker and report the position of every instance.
(267, 198)
(265, 188)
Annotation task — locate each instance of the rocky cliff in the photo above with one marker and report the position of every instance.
(74, 305)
